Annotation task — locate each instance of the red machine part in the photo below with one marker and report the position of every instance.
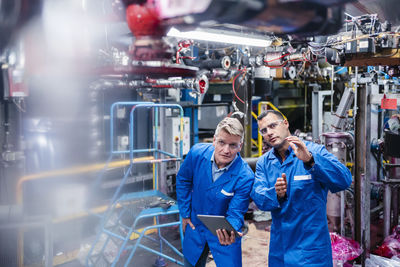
(15, 83)
(185, 44)
(145, 24)
(149, 50)
(202, 86)
(143, 21)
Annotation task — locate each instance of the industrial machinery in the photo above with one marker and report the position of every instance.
(332, 67)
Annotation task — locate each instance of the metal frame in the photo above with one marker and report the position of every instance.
(389, 183)
(317, 112)
(362, 172)
(91, 259)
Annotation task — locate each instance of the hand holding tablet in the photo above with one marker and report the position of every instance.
(215, 222)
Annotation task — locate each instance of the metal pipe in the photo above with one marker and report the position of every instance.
(342, 212)
(305, 107)
(295, 56)
(336, 144)
(206, 64)
(148, 150)
(184, 105)
(155, 144)
(177, 83)
(274, 59)
(70, 171)
(333, 75)
(340, 114)
(359, 168)
(395, 206)
(248, 118)
(386, 209)
(355, 94)
(362, 169)
(222, 73)
(315, 115)
(252, 162)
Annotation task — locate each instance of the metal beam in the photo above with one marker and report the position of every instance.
(362, 169)
(248, 120)
(317, 110)
(243, 86)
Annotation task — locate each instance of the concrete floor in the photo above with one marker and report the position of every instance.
(255, 246)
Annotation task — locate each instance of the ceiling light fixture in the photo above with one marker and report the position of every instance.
(219, 38)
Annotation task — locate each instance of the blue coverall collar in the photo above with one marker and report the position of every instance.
(227, 166)
(275, 155)
(233, 169)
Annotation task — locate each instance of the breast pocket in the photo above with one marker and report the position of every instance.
(302, 189)
(222, 198)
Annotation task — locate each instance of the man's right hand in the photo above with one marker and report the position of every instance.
(280, 186)
(186, 221)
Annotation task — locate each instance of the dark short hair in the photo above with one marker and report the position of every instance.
(266, 112)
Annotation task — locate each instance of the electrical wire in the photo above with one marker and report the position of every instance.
(267, 61)
(301, 70)
(305, 57)
(280, 66)
(177, 55)
(233, 84)
(317, 50)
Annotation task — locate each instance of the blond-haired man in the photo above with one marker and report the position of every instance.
(214, 180)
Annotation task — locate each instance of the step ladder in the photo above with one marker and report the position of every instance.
(128, 218)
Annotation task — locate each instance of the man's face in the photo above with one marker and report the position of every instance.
(274, 130)
(226, 147)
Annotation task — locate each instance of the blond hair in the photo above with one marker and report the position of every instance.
(232, 126)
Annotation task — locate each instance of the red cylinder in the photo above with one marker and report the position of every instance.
(143, 21)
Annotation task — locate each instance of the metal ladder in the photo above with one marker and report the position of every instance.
(124, 224)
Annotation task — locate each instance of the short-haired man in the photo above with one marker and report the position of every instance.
(214, 180)
(292, 181)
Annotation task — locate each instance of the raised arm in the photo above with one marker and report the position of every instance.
(328, 170)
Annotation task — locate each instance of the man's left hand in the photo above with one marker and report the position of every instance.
(299, 148)
(226, 239)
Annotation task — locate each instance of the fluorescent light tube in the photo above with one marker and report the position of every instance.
(219, 38)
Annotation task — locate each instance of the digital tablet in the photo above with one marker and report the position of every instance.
(214, 222)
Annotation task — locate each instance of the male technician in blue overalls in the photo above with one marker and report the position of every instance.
(214, 180)
(292, 181)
